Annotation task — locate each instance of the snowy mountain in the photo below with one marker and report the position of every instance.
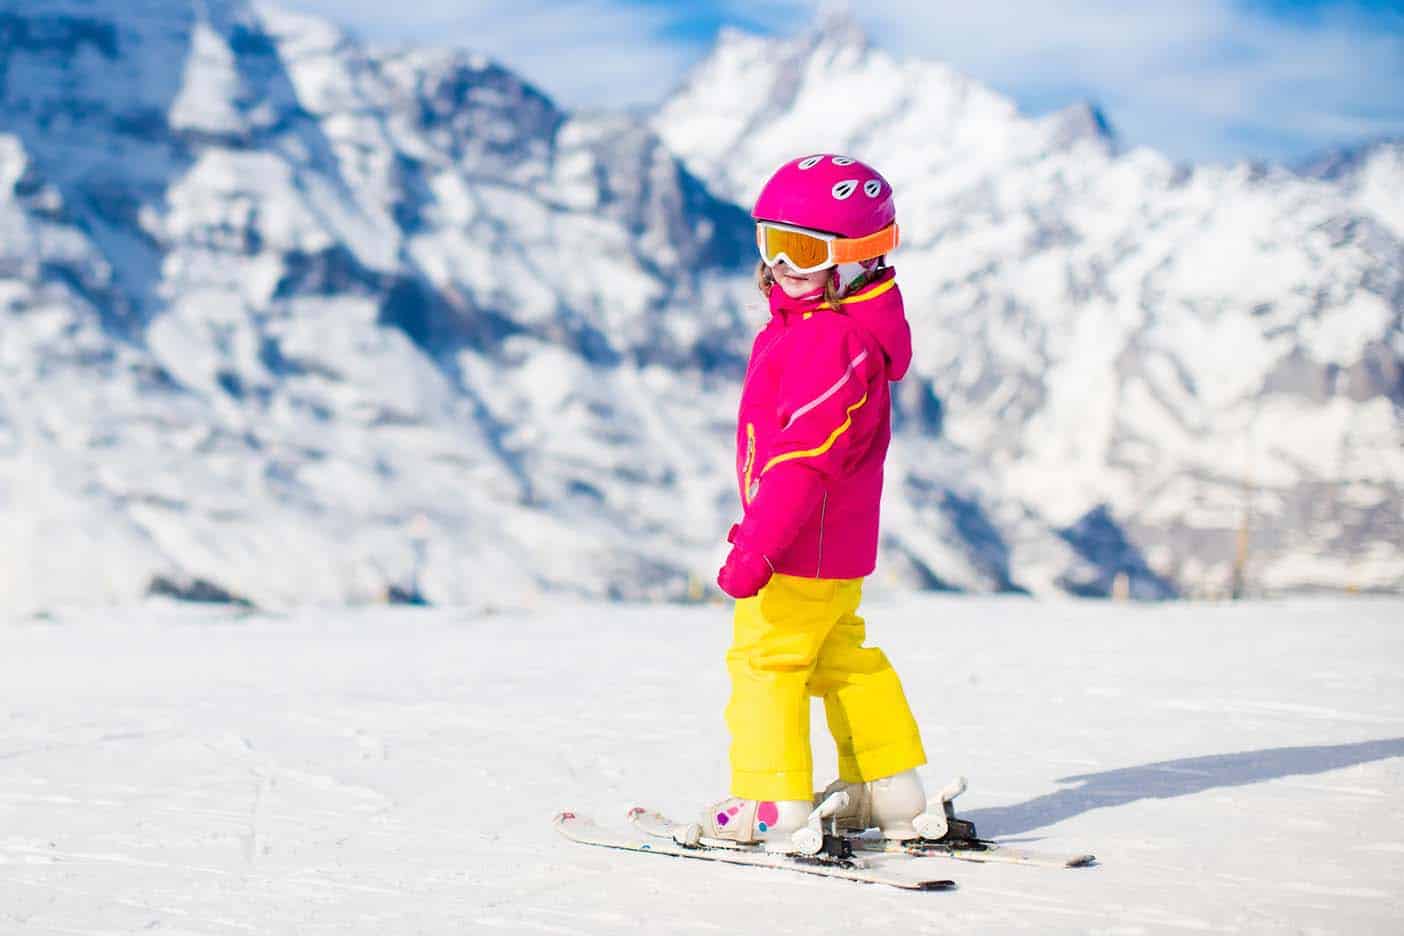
(1369, 175)
(284, 318)
(1200, 360)
(292, 320)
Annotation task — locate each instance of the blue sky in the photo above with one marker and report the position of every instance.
(1199, 80)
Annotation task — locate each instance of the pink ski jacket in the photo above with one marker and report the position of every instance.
(813, 429)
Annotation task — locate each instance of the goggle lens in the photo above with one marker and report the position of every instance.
(802, 251)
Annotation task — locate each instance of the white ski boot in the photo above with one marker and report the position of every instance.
(747, 822)
(896, 805)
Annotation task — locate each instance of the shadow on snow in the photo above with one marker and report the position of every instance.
(1168, 779)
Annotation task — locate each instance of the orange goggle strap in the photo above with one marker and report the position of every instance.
(808, 252)
(851, 250)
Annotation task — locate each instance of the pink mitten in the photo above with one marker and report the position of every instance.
(745, 572)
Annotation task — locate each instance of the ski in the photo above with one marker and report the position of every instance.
(946, 835)
(975, 850)
(984, 851)
(876, 868)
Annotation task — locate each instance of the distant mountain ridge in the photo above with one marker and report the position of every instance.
(287, 319)
(1208, 359)
(292, 320)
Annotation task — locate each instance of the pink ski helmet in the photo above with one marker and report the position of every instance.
(827, 192)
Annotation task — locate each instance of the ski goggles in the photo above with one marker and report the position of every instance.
(808, 251)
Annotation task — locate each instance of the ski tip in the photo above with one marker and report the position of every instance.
(936, 885)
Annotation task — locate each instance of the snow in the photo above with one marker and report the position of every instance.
(1379, 190)
(209, 88)
(1338, 336)
(170, 769)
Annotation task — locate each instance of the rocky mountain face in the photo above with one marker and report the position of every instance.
(286, 319)
(1205, 362)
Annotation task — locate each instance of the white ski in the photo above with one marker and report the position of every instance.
(976, 850)
(894, 870)
(983, 851)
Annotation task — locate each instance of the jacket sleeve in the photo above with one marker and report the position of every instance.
(826, 425)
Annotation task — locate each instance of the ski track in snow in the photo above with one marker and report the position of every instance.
(183, 770)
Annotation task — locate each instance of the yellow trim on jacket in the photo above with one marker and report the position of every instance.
(873, 293)
(828, 443)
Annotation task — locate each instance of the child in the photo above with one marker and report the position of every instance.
(812, 433)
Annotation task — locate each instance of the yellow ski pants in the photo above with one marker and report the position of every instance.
(798, 638)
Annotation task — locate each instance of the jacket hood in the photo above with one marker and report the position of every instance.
(877, 307)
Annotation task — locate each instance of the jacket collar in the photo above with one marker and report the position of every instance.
(877, 307)
(783, 307)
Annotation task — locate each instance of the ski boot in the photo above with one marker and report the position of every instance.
(747, 822)
(898, 808)
(788, 826)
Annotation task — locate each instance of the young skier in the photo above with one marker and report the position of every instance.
(813, 430)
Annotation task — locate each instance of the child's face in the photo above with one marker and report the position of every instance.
(795, 284)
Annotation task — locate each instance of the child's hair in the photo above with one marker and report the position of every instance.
(765, 281)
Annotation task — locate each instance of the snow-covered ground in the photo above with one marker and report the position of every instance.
(1236, 768)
